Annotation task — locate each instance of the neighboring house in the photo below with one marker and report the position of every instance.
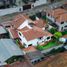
(35, 56)
(58, 18)
(33, 36)
(8, 50)
(20, 21)
(3, 32)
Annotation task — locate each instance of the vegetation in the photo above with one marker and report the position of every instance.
(52, 30)
(64, 32)
(14, 59)
(19, 44)
(57, 35)
(48, 45)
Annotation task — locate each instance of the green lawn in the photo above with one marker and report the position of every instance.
(47, 46)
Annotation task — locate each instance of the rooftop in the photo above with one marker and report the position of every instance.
(40, 23)
(30, 49)
(2, 30)
(65, 36)
(8, 49)
(57, 12)
(34, 33)
(13, 33)
(62, 18)
(19, 19)
(34, 55)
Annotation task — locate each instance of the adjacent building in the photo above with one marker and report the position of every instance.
(58, 18)
(8, 50)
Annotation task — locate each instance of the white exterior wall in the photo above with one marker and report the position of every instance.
(33, 42)
(25, 23)
(40, 2)
(51, 18)
(61, 25)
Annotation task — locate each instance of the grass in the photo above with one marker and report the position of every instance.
(47, 46)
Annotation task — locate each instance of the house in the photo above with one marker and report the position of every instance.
(3, 32)
(9, 51)
(30, 32)
(58, 18)
(33, 36)
(35, 56)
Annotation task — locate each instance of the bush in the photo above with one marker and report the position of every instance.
(52, 30)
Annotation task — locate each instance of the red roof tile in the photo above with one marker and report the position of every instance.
(40, 23)
(13, 33)
(30, 49)
(34, 33)
(19, 19)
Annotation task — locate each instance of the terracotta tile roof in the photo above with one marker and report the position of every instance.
(19, 19)
(62, 18)
(56, 12)
(13, 33)
(30, 49)
(40, 23)
(65, 36)
(34, 33)
(24, 29)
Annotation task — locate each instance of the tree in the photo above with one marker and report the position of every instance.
(57, 35)
(53, 30)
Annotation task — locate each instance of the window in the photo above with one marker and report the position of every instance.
(40, 38)
(65, 26)
(48, 14)
(62, 28)
(19, 33)
(48, 38)
(30, 45)
(62, 22)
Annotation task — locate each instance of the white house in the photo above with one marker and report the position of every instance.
(58, 18)
(33, 36)
(30, 32)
